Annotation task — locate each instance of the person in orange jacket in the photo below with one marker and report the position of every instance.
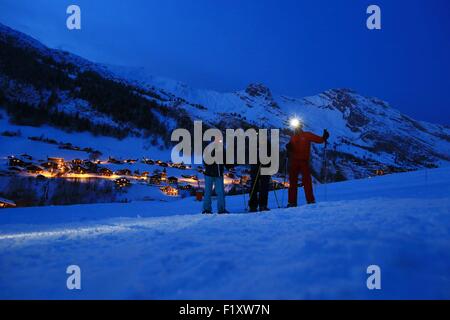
(299, 148)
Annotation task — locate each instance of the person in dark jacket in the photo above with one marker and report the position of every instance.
(298, 149)
(259, 190)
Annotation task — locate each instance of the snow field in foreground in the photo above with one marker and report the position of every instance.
(168, 251)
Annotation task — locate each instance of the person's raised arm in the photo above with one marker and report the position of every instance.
(314, 138)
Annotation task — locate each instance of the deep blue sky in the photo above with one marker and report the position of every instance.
(295, 47)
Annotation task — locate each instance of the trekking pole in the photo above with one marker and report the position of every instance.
(243, 192)
(284, 181)
(253, 187)
(325, 170)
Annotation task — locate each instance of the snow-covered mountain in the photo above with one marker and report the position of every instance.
(367, 133)
(39, 85)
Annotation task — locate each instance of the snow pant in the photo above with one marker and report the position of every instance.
(296, 168)
(217, 182)
(260, 187)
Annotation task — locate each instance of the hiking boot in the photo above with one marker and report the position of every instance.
(253, 210)
(264, 209)
(223, 212)
(292, 205)
(207, 212)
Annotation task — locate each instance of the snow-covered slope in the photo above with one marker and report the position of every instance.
(156, 250)
(367, 135)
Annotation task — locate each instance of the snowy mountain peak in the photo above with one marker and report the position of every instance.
(258, 90)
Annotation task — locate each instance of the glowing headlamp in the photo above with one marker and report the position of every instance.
(295, 123)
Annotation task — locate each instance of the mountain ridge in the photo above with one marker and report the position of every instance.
(65, 90)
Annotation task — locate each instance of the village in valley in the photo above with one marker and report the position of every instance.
(170, 179)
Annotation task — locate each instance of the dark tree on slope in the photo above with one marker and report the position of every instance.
(124, 103)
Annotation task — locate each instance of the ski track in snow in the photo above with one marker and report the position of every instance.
(168, 251)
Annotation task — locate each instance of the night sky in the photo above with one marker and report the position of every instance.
(297, 48)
